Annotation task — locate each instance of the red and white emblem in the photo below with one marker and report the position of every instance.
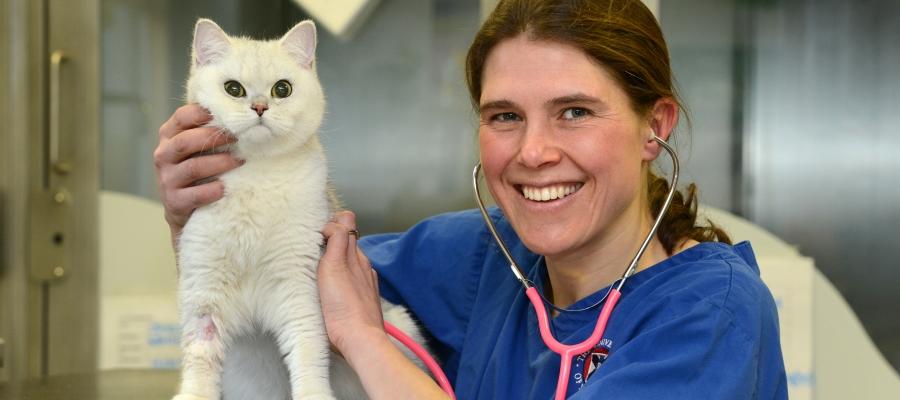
(592, 360)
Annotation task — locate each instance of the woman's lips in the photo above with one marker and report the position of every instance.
(549, 192)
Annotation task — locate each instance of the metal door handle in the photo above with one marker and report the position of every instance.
(51, 207)
(57, 58)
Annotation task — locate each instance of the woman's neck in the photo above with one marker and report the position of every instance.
(598, 264)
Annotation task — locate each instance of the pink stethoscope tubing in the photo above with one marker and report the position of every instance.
(568, 352)
(420, 352)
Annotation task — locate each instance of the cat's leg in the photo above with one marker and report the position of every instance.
(208, 313)
(203, 346)
(300, 333)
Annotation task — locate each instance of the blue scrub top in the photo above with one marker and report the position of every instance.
(699, 325)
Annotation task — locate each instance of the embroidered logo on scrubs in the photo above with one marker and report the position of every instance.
(586, 364)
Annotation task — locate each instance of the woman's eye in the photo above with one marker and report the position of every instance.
(505, 117)
(281, 89)
(574, 113)
(234, 89)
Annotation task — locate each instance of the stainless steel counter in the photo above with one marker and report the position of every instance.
(106, 385)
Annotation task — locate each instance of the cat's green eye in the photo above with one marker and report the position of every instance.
(234, 89)
(281, 89)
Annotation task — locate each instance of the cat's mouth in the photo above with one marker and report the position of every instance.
(257, 129)
(259, 121)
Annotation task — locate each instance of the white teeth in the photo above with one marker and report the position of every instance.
(548, 193)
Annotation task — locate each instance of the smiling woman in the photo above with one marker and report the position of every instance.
(571, 98)
(568, 154)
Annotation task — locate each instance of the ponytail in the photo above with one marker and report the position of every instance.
(680, 222)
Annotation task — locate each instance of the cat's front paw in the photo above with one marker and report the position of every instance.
(316, 397)
(188, 397)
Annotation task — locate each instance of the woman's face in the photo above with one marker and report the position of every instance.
(561, 148)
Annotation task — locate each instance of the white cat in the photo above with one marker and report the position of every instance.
(251, 319)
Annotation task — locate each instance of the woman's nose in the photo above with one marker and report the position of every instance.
(539, 147)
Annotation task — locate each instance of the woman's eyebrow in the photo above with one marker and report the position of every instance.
(577, 98)
(495, 104)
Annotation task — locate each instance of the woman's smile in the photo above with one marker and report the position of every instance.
(549, 193)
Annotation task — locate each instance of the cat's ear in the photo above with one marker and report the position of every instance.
(210, 42)
(300, 43)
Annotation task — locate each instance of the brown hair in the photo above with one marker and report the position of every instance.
(623, 36)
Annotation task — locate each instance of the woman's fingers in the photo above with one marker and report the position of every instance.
(367, 266)
(362, 259)
(348, 220)
(180, 164)
(340, 237)
(178, 188)
(357, 261)
(189, 142)
(185, 117)
(182, 202)
(188, 172)
(336, 244)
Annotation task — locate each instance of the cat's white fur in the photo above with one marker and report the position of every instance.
(251, 318)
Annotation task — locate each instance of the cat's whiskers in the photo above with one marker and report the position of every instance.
(240, 122)
(277, 124)
(207, 147)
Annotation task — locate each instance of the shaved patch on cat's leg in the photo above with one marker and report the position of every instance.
(204, 351)
(208, 330)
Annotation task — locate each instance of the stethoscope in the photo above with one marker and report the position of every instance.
(568, 352)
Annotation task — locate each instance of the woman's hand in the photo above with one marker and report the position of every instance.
(348, 287)
(179, 166)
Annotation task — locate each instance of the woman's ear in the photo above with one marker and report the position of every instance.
(661, 121)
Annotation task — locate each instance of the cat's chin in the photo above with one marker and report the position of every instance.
(256, 138)
(256, 134)
(260, 141)
(255, 141)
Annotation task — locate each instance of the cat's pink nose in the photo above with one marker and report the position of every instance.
(260, 108)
